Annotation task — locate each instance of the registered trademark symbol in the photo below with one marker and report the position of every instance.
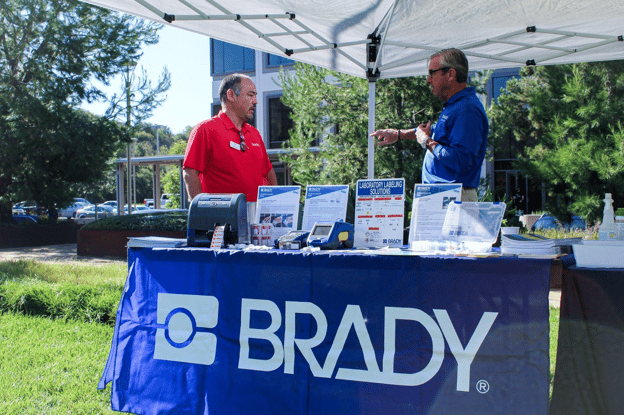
(483, 386)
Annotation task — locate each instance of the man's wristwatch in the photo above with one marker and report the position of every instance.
(429, 144)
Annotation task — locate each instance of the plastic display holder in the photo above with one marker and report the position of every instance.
(472, 227)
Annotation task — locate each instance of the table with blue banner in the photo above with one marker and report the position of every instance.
(589, 376)
(202, 331)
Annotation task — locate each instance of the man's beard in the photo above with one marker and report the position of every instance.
(250, 118)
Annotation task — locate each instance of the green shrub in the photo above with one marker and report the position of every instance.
(61, 301)
(59, 291)
(174, 220)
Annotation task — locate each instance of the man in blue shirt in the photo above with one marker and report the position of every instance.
(457, 143)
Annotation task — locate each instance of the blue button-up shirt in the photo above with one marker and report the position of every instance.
(461, 132)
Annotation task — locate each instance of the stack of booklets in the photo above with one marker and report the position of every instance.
(156, 242)
(532, 244)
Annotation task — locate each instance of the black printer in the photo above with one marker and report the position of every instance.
(210, 210)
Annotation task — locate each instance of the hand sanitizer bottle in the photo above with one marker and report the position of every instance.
(608, 231)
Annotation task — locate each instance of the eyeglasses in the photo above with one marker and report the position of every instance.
(242, 143)
(432, 71)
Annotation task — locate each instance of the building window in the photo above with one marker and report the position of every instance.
(275, 61)
(282, 174)
(227, 58)
(279, 122)
(215, 109)
(498, 82)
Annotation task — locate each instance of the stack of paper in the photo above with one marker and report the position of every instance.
(527, 244)
(155, 242)
(532, 244)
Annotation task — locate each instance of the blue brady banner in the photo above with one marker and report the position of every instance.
(200, 331)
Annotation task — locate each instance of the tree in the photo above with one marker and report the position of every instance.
(171, 178)
(50, 50)
(569, 120)
(331, 109)
(143, 97)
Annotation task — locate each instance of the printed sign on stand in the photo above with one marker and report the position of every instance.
(324, 203)
(379, 213)
(278, 206)
(429, 210)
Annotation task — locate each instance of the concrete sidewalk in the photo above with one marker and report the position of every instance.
(67, 252)
(53, 253)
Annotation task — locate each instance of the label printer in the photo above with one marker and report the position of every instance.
(209, 210)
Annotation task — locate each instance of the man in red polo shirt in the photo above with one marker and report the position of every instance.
(225, 154)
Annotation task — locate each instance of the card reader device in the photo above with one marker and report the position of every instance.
(331, 235)
(210, 210)
(293, 240)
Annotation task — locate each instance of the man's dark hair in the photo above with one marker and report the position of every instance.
(232, 82)
(454, 58)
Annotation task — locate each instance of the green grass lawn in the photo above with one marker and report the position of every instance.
(52, 365)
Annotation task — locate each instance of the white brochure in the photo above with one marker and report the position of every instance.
(279, 206)
(324, 203)
(379, 213)
(429, 210)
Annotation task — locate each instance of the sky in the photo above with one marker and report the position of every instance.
(187, 57)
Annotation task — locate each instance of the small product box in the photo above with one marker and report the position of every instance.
(619, 224)
(256, 230)
(261, 234)
(599, 254)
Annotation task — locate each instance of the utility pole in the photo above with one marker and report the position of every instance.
(128, 78)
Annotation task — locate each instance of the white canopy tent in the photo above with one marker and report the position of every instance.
(393, 38)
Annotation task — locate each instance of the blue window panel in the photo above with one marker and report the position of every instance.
(228, 58)
(274, 61)
(250, 59)
(216, 53)
(498, 84)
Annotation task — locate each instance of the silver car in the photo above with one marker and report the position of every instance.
(89, 211)
(70, 211)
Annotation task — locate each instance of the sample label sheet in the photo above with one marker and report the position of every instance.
(278, 206)
(324, 203)
(429, 210)
(379, 213)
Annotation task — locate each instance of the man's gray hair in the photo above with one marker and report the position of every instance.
(232, 82)
(454, 58)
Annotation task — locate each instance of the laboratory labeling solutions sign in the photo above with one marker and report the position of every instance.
(379, 213)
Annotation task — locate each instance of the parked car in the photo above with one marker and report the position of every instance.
(28, 207)
(25, 218)
(111, 203)
(89, 211)
(137, 208)
(164, 199)
(18, 210)
(548, 221)
(82, 200)
(70, 211)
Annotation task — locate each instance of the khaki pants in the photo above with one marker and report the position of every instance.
(469, 195)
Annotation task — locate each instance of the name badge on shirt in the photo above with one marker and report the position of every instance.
(235, 145)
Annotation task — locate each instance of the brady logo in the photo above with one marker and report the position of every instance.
(183, 336)
(284, 351)
(392, 241)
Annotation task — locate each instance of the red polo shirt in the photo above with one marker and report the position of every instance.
(214, 150)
